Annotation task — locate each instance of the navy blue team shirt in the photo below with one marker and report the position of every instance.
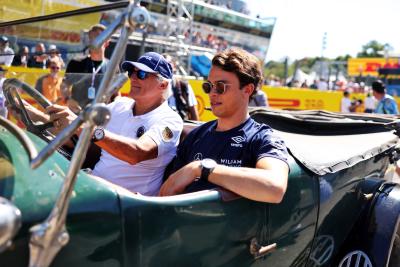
(241, 146)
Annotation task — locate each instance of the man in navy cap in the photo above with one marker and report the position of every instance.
(143, 133)
(6, 53)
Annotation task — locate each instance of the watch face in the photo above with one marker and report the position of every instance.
(208, 163)
(99, 134)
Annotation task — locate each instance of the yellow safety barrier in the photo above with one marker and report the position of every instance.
(278, 97)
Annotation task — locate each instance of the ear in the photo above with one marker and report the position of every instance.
(248, 89)
(164, 85)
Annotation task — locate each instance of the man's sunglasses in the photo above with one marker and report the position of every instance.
(220, 87)
(140, 74)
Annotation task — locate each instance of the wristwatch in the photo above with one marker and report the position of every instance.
(98, 134)
(207, 166)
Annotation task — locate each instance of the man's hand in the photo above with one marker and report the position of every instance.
(34, 113)
(60, 116)
(179, 180)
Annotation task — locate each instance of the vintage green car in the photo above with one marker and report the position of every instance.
(340, 207)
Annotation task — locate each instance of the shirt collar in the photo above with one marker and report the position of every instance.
(151, 113)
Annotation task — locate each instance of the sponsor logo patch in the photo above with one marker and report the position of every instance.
(148, 57)
(232, 162)
(198, 156)
(237, 141)
(167, 134)
(140, 131)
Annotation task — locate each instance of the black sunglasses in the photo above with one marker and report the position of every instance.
(220, 87)
(140, 74)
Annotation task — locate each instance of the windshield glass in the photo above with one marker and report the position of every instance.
(53, 53)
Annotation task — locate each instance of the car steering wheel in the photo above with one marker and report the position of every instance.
(10, 89)
(12, 95)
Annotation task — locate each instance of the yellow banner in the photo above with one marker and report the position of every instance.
(64, 30)
(278, 97)
(16, 9)
(286, 98)
(369, 66)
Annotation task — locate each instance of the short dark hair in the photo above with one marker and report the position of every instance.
(378, 86)
(246, 66)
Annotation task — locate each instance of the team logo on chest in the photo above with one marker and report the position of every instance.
(167, 134)
(140, 131)
(237, 141)
(198, 156)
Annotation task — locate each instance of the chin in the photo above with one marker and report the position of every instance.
(219, 113)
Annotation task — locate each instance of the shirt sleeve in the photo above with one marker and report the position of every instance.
(265, 99)
(184, 149)
(191, 97)
(262, 99)
(166, 133)
(391, 106)
(268, 144)
(9, 58)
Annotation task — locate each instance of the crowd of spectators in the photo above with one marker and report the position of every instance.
(211, 41)
(42, 57)
(349, 102)
(321, 84)
(235, 5)
(39, 58)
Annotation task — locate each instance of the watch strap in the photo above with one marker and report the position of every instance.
(205, 172)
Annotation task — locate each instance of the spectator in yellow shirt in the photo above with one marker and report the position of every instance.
(50, 84)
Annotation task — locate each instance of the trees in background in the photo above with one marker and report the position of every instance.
(277, 68)
(374, 49)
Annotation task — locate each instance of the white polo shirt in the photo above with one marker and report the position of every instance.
(162, 124)
(345, 105)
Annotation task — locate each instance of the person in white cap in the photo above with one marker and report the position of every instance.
(143, 133)
(6, 53)
(54, 55)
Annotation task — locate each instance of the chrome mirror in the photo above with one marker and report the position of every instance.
(10, 222)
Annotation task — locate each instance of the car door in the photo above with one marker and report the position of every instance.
(199, 229)
(292, 223)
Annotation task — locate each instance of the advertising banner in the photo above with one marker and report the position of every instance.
(369, 66)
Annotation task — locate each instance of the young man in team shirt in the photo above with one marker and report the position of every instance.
(234, 151)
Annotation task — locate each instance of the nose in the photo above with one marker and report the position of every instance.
(213, 91)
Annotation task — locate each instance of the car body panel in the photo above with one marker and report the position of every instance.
(94, 216)
(340, 211)
(330, 190)
(111, 226)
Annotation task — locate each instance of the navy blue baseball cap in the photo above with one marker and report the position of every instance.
(3, 39)
(150, 62)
